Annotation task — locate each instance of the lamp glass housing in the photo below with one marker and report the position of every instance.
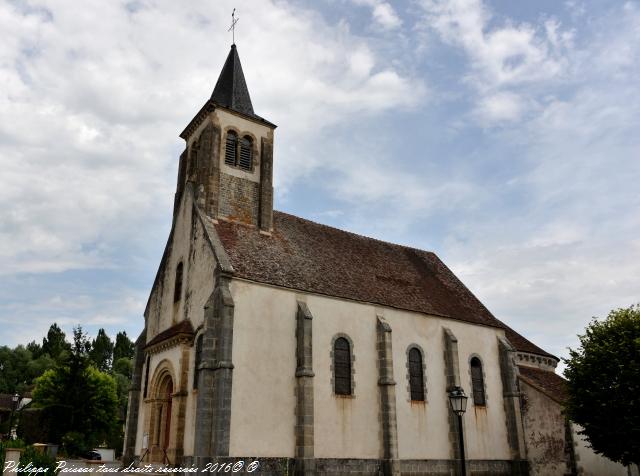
(458, 401)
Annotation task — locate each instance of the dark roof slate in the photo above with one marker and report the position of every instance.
(549, 382)
(307, 256)
(231, 89)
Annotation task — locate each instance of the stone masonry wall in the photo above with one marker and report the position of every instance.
(239, 199)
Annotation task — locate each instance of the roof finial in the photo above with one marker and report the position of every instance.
(232, 28)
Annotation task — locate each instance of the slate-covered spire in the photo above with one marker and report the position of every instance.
(231, 89)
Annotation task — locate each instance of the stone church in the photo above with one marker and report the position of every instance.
(313, 350)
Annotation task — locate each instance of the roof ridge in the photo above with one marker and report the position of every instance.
(358, 235)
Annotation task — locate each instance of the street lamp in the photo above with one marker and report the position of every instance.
(458, 401)
(14, 400)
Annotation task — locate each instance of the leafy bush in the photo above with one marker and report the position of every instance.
(38, 459)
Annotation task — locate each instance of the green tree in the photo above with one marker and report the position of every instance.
(87, 397)
(123, 347)
(55, 344)
(14, 374)
(604, 385)
(35, 349)
(102, 351)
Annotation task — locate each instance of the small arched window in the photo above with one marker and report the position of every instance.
(416, 375)
(177, 292)
(198, 359)
(146, 377)
(246, 153)
(477, 382)
(342, 366)
(231, 150)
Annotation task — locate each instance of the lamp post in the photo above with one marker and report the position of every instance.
(14, 401)
(458, 401)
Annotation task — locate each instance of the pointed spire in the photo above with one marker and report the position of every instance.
(231, 89)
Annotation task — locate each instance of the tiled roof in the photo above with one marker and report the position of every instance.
(307, 256)
(549, 382)
(183, 327)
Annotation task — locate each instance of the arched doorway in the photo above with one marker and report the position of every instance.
(160, 430)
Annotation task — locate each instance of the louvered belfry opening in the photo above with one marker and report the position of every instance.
(477, 382)
(342, 366)
(230, 154)
(416, 377)
(246, 153)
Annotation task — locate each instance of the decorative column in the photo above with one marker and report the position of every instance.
(133, 407)
(452, 373)
(511, 396)
(387, 386)
(305, 463)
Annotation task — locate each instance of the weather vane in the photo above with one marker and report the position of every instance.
(232, 28)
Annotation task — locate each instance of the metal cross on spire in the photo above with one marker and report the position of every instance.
(232, 28)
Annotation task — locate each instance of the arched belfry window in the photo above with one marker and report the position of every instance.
(177, 293)
(231, 150)
(246, 153)
(342, 366)
(416, 375)
(477, 382)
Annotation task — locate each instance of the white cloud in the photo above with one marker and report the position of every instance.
(383, 13)
(501, 106)
(505, 60)
(94, 98)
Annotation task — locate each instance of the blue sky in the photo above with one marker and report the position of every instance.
(504, 136)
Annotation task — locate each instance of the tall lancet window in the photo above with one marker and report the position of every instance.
(342, 366)
(177, 292)
(416, 375)
(231, 151)
(246, 153)
(477, 382)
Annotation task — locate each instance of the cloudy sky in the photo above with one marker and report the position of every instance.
(504, 136)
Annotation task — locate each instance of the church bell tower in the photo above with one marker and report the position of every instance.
(228, 156)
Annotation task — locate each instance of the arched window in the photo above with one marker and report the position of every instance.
(198, 359)
(177, 292)
(246, 153)
(342, 366)
(416, 375)
(146, 377)
(477, 382)
(231, 151)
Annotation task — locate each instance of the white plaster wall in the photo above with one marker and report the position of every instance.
(591, 464)
(345, 427)
(485, 427)
(263, 393)
(423, 427)
(263, 398)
